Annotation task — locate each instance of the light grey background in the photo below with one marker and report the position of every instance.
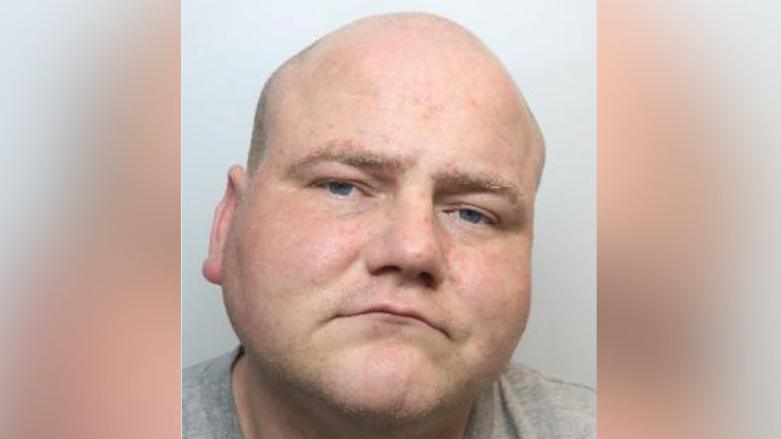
(229, 49)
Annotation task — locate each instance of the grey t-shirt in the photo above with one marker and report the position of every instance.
(523, 403)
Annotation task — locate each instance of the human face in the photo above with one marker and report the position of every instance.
(379, 259)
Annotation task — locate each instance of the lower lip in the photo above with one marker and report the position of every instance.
(395, 319)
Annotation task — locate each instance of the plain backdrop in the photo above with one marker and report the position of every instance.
(228, 51)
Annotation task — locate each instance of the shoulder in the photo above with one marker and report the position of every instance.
(551, 406)
(207, 398)
(195, 387)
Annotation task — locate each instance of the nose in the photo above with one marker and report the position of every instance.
(408, 245)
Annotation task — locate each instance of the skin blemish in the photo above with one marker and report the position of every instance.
(432, 110)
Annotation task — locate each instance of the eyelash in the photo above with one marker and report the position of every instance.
(487, 219)
(324, 184)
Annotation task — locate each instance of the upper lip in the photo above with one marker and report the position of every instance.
(399, 311)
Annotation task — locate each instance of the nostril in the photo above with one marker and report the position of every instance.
(427, 279)
(386, 270)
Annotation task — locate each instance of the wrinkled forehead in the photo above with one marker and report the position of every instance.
(421, 95)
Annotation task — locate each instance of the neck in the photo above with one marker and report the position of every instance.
(266, 410)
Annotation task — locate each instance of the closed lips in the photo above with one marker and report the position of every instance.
(406, 313)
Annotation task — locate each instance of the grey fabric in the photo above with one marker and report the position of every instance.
(523, 403)
(208, 410)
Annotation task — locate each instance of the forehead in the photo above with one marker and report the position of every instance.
(436, 109)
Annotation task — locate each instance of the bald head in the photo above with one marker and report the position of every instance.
(399, 60)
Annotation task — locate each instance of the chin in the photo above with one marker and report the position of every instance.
(392, 382)
(384, 403)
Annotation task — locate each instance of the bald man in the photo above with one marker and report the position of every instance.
(374, 256)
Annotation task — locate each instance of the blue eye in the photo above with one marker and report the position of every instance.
(472, 216)
(340, 188)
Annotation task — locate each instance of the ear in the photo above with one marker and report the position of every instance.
(223, 219)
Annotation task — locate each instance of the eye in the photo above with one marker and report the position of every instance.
(339, 188)
(473, 216)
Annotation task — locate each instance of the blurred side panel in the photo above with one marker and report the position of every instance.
(90, 227)
(688, 219)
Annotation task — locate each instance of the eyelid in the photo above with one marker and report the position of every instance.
(360, 186)
(491, 219)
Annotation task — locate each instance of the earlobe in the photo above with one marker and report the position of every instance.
(221, 225)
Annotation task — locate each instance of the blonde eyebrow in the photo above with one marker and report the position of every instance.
(460, 181)
(348, 154)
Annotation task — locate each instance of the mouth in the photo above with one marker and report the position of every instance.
(398, 313)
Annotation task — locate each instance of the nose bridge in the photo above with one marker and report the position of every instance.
(413, 229)
(410, 242)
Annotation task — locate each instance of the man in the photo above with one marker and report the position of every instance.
(374, 255)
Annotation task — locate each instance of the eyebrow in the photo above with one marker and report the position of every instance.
(348, 154)
(459, 181)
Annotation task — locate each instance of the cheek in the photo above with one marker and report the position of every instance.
(298, 245)
(283, 265)
(493, 285)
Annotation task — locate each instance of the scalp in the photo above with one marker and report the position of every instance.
(423, 54)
